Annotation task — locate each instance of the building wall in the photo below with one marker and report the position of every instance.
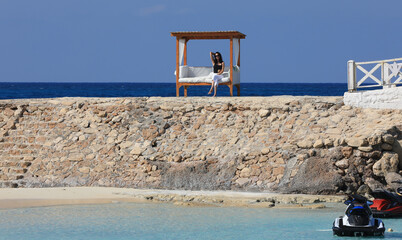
(388, 98)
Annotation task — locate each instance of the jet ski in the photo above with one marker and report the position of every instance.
(358, 219)
(387, 204)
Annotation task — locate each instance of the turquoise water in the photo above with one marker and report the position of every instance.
(167, 221)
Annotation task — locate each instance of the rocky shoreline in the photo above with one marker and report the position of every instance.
(35, 197)
(311, 145)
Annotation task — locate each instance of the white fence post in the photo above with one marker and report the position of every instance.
(386, 80)
(351, 76)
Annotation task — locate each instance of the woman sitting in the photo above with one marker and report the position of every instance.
(219, 66)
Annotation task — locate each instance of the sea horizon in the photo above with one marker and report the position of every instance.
(168, 82)
(18, 90)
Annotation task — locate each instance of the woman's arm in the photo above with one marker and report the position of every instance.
(212, 59)
(223, 68)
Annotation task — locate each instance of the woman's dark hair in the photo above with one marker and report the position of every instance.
(220, 58)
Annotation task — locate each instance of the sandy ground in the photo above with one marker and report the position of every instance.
(34, 197)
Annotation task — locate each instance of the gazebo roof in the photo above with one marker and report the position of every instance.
(209, 35)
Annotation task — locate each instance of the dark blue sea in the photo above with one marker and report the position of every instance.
(55, 90)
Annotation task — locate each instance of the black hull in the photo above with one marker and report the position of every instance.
(358, 231)
(386, 214)
(341, 230)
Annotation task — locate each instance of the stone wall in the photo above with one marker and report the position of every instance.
(283, 144)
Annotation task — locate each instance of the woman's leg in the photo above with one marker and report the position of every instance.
(215, 87)
(216, 80)
(212, 85)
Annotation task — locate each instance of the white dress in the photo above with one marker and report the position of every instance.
(216, 78)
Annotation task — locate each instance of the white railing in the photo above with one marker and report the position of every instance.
(390, 75)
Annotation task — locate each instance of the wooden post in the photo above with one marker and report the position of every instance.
(185, 53)
(177, 68)
(238, 89)
(231, 67)
(351, 76)
(238, 60)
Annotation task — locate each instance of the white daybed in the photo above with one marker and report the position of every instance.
(204, 75)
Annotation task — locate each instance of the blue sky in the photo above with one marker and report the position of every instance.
(129, 40)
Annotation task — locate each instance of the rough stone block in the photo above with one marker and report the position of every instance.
(386, 146)
(393, 179)
(84, 169)
(328, 142)
(8, 112)
(343, 164)
(100, 168)
(245, 173)
(263, 113)
(388, 163)
(356, 142)
(126, 144)
(76, 157)
(137, 149)
(365, 149)
(305, 144)
(318, 143)
(265, 151)
(242, 181)
(374, 140)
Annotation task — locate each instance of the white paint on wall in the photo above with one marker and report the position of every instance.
(387, 98)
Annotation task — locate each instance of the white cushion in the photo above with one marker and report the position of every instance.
(225, 79)
(183, 71)
(201, 80)
(199, 71)
(195, 80)
(204, 75)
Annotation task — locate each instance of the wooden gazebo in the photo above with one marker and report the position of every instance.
(182, 38)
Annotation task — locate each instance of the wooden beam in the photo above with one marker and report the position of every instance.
(202, 84)
(209, 35)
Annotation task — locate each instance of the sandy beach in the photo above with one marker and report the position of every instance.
(35, 197)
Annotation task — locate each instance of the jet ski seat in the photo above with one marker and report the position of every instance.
(358, 216)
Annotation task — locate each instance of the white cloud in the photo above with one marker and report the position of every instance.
(152, 10)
